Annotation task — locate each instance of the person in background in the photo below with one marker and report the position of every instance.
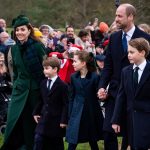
(100, 62)
(62, 44)
(82, 41)
(51, 113)
(46, 31)
(144, 27)
(134, 95)
(5, 44)
(27, 56)
(2, 25)
(5, 89)
(85, 116)
(70, 34)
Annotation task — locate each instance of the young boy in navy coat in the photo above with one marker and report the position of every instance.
(51, 113)
(134, 93)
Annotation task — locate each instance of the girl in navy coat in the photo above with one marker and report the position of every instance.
(85, 116)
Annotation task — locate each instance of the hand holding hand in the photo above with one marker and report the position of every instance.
(63, 125)
(116, 128)
(102, 94)
(36, 118)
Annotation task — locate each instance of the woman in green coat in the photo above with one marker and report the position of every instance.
(27, 56)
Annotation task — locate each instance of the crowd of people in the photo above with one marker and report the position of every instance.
(87, 87)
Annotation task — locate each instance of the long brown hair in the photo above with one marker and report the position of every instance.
(29, 26)
(87, 57)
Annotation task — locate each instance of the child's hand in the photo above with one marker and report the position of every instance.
(36, 118)
(63, 125)
(116, 128)
(102, 94)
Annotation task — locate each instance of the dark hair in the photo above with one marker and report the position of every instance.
(82, 33)
(29, 26)
(87, 57)
(51, 61)
(140, 44)
(69, 26)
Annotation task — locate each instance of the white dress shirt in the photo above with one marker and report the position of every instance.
(141, 69)
(53, 80)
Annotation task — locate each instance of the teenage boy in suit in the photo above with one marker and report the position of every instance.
(51, 113)
(135, 96)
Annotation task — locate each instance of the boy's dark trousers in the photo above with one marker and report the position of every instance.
(46, 143)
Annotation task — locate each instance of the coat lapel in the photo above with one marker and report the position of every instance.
(145, 75)
(86, 81)
(130, 78)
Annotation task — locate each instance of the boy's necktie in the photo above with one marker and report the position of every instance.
(49, 84)
(124, 42)
(135, 78)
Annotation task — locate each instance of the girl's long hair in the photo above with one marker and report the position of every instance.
(87, 57)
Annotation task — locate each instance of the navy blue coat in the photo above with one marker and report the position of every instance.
(85, 116)
(53, 109)
(116, 59)
(137, 107)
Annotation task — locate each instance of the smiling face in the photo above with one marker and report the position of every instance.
(70, 32)
(134, 56)
(22, 33)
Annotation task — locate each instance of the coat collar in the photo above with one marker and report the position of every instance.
(86, 81)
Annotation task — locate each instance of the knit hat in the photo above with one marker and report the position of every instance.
(103, 27)
(63, 36)
(100, 57)
(50, 29)
(37, 32)
(74, 48)
(20, 20)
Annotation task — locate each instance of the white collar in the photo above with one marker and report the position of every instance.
(130, 32)
(53, 78)
(141, 66)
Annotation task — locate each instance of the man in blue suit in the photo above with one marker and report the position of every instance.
(134, 95)
(116, 59)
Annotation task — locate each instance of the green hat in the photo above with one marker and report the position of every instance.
(20, 20)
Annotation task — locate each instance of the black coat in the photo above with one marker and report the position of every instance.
(116, 59)
(137, 107)
(53, 109)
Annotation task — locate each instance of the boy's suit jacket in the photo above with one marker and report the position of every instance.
(137, 107)
(53, 109)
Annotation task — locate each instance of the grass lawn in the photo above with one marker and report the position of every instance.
(84, 146)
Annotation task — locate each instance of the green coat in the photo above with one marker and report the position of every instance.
(25, 94)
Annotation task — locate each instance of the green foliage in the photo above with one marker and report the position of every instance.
(58, 13)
